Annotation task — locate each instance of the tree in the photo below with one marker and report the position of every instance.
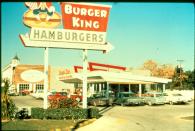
(8, 108)
(179, 78)
(151, 66)
(188, 83)
(165, 70)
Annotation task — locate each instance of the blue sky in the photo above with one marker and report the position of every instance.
(163, 32)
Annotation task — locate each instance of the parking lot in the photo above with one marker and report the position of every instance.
(135, 118)
(27, 101)
(145, 118)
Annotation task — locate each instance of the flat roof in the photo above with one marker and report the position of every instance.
(112, 77)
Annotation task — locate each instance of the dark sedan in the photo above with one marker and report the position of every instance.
(128, 98)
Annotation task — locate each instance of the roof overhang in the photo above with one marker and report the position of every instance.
(112, 77)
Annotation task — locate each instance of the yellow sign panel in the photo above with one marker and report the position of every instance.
(41, 15)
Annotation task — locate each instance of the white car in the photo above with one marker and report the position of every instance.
(187, 95)
(39, 94)
(154, 98)
(174, 98)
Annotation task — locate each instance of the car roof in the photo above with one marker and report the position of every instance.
(126, 92)
(154, 93)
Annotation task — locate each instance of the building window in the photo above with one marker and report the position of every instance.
(23, 86)
(39, 86)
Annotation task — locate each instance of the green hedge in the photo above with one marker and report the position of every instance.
(94, 113)
(37, 113)
(64, 113)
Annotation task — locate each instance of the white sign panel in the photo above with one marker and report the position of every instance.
(63, 35)
(67, 45)
(32, 75)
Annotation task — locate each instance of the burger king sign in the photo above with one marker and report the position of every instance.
(82, 23)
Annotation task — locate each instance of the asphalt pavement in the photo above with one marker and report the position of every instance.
(27, 101)
(145, 118)
(132, 118)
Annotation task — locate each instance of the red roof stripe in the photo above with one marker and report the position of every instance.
(91, 64)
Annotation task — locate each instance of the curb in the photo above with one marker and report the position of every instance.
(82, 124)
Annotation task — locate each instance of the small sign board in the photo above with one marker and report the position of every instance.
(84, 16)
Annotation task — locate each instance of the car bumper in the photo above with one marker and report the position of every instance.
(134, 103)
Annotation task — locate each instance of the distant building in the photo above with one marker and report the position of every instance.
(31, 77)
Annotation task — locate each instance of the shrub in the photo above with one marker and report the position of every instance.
(54, 114)
(63, 103)
(37, 113)
(79, 113)
(65, 113)
(22, 114)
(94, 113)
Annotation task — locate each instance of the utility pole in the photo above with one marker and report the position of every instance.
(180, 74)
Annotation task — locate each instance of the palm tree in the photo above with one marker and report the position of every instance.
(8, 108)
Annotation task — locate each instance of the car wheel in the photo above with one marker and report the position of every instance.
(171, 103)
(149, 103)
(94, 103)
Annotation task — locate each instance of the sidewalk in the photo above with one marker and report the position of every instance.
(107, 123)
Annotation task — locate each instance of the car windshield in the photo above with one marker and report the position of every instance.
(165, 94)
(97, 95)
(127, 95)
(158, 95)
(63, 93)
(177, 95)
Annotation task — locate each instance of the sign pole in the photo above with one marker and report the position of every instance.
(84, 78)
(45, 77)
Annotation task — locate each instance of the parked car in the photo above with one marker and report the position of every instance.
(24, 92)
(186, 93)
(12, 93)
(154, 98)
(39, 94)
(100, 100)
(175, 98)
(128, 98)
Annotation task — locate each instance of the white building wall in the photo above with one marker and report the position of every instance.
(57, 85)
(7, 73)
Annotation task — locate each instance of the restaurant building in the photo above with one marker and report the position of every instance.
(100, 77)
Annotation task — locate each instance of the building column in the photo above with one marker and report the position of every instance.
(100, 87)
(30, 87)
(107, 90)
(92, 88)
(156, 87)
(164, 88)
(17, 88)
(129, 87)
(34, 88)
(140, 90)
